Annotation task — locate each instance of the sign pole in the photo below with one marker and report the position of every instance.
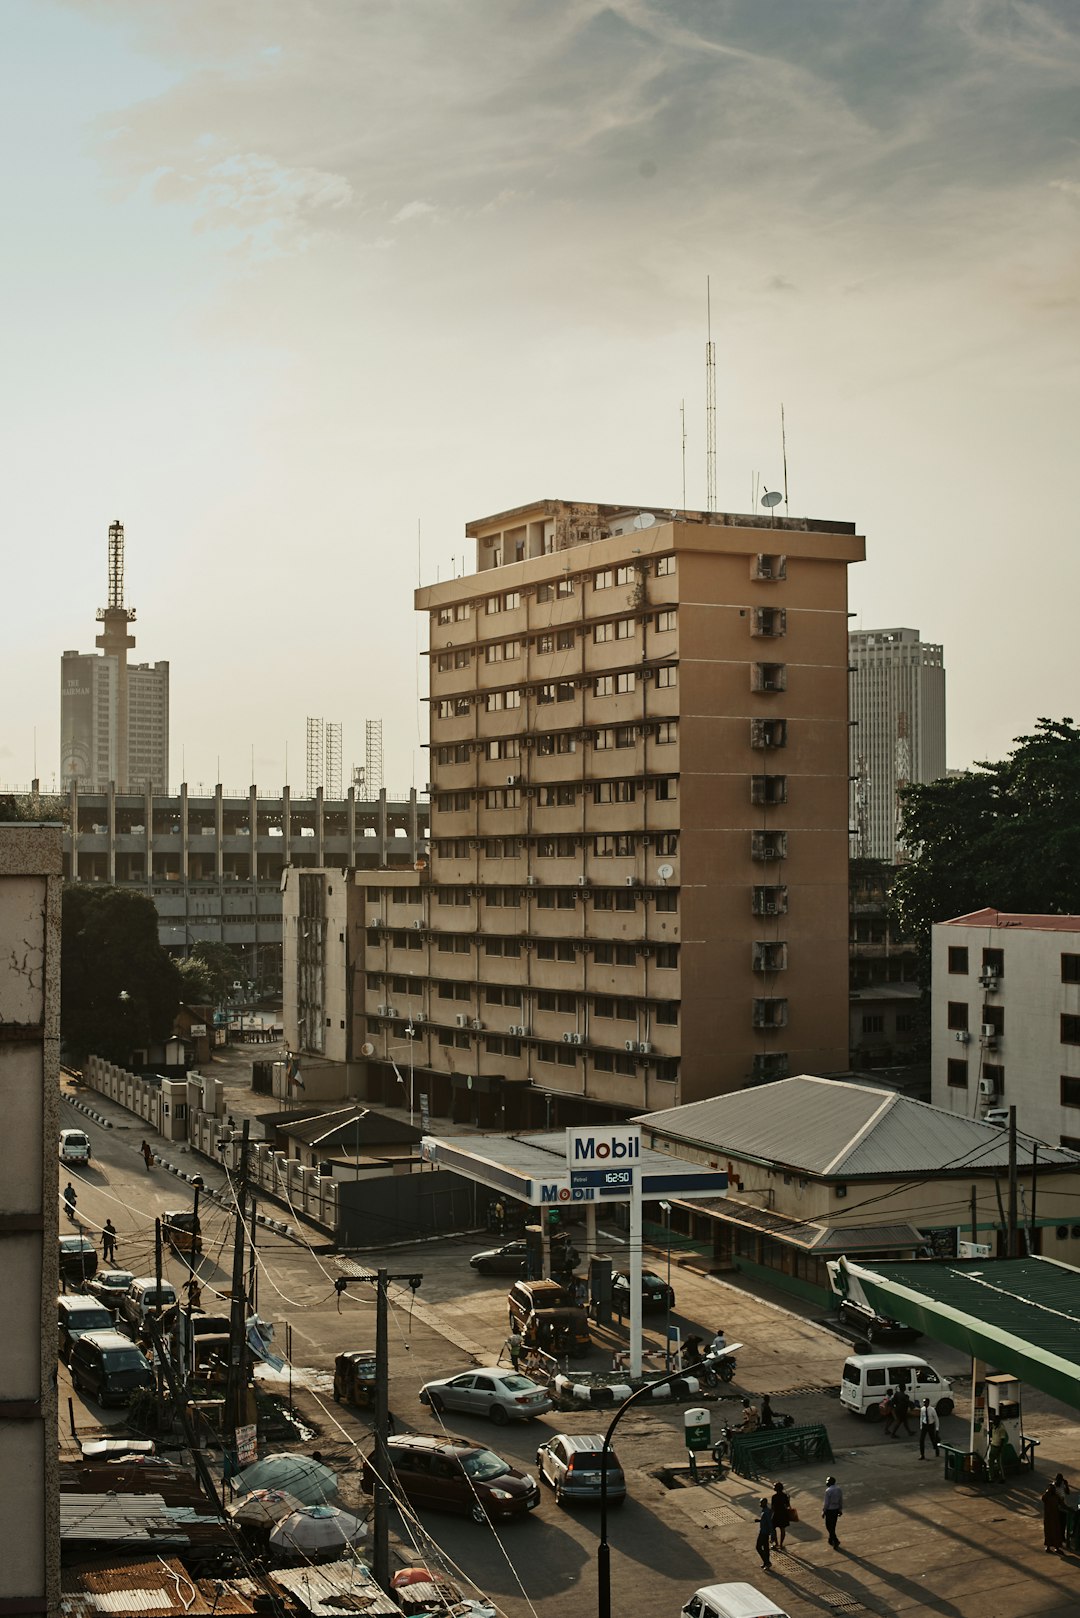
(635, 1271)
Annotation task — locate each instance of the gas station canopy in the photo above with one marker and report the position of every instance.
(534, 1169)
(1022, 1315)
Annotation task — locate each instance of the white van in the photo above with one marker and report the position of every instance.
(74, 1146)
(868, 1378)
(731, 1601)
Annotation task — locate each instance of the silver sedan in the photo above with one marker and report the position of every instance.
(500, 1395)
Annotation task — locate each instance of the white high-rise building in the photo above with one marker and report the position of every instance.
(897, 732)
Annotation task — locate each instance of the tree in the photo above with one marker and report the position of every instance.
(1002, 835)
(119, 990)
(219, 968)
(198, 985)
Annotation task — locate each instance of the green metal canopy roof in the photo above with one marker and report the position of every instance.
(1020, 1315)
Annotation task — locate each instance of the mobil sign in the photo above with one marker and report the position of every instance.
(603, 1146)
(552, 1192)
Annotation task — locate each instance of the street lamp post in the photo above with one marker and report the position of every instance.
(665, 1209)
(603, 1550)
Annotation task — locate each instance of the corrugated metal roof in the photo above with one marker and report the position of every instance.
(1016, 918)
(335, 1587)
(812, 1236)
(158, 1585)
(840, 1130)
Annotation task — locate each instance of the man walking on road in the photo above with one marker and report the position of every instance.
(108, 1242)
(764, 1535)
(148, 1155)
(70, 1200)
(832, 1507)
(928, 1428)
(513, 1347)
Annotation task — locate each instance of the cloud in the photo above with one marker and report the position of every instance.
(413, 210)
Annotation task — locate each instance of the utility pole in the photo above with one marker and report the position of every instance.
(237, 1383)
(253, 1275)
(1032, 1249)
(381, 1525)
(1012, 1229)
(974, 1213)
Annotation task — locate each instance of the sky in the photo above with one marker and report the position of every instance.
(297, 289)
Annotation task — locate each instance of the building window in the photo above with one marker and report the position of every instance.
(625, 683)
(1070, 1091)
(625, 955)
(769, 567)
(545, 643)
(770, 901)
(994, 1017)
(667, 731)
(603, 954)
(994, 1074)
(958, 958)
(604, 685)
(666, 1012)
(665, 566)
(667, 676)
(625, 629)
(905, 1022)
(958, 1014)
(766, 733)
(768, 845)
(768, 622)
(768, 677)
(666, 956)
(1070, 1029)
(564, 640)
(665, 621)
(603, 632)
(604, 580)
(666, 842)
(666, 899)
(666, 788)
(771, 1013)
(993, 963)
(1070, 969)
(767, 789)
(873, 1024)
(1070, 1142)
(957, 1073)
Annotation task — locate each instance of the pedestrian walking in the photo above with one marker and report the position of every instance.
(928, 1428)
(780, 1506)
(995, 1454)
(899, 1413)
(194, 1292)
(1053, 1520)
(148, 1155)
(108, 1242)
(764, 1535)
(70, 1199)
(832, 1509)
(513, 1347)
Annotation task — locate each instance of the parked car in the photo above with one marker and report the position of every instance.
(874, 1327)
(76, 1314)
(499, 1394)
(512, 1257)
(74, 1146)
(869, 1378)
(110, 1367)
(78, 1259)
(570, 1462)
(109, 1286)
(354, 1377)
(142, 1296)
(454, 1474)
(655, 1292)
(731, 1601)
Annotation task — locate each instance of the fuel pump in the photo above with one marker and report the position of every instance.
(1003, 1411)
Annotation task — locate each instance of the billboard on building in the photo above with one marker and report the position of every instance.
(77, 717)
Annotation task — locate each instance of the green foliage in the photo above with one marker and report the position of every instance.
(220, 968)
(197, 980)
(119, 990)
(1002, 835)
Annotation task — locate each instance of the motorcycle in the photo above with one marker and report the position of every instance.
(714, 1368)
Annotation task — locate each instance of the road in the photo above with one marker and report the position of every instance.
(665, 1542)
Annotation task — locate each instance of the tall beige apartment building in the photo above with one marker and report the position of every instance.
(637, 891)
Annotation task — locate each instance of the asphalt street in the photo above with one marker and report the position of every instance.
(917, 1543)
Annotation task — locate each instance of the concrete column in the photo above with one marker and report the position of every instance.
(381, 839)
(184, 842)
(219, 838)
(253, 832)
(320, 828)
(352, 828)
(110, 833)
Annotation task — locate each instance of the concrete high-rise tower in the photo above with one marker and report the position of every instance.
(114, 716)
(898, 730)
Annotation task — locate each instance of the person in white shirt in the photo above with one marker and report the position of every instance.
(719, 1342)
(928, 1428)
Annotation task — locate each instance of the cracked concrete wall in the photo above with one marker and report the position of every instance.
(31, 863)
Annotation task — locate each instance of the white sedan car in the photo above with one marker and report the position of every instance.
(499, 1394)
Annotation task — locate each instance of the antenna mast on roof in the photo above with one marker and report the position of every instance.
(710, 405)
(682, 419)
(783, 442)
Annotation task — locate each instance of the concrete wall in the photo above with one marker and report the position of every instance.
(30, 880)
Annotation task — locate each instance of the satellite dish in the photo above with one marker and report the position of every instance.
(665, 872)
(367, 1048)
(771, 497)
(644, 519)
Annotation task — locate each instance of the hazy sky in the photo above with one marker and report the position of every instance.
(283, 280)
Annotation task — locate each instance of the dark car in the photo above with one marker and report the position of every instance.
(655, 1292)
(570, 1462)
(512, 1257)
(874, 1327)
(78, 1259)
(455, 1474)
(110, 1367)
(109, 1286)
(76, 1314)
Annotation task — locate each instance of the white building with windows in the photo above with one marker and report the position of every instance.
(1006, 1020)
(897, 730)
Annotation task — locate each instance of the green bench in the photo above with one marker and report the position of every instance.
(769, 1454)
